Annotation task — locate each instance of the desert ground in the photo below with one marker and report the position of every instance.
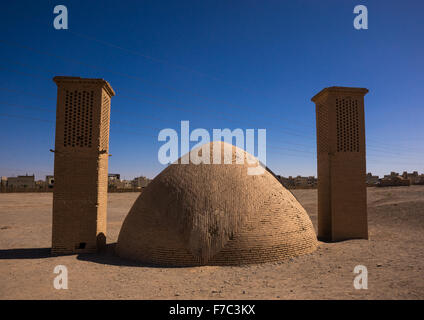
(394, 257)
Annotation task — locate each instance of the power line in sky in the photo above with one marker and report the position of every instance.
(27, 93)
(138, 78)
(373, 149)
(288, 131)
(26, 107)
(377, 149)
(381, 159)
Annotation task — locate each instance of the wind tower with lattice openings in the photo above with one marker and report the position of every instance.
(81, 164)
(342, 195)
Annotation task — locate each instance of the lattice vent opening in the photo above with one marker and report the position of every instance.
(347, 125)
(78, 126)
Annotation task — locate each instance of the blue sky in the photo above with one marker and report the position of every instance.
(219, 64)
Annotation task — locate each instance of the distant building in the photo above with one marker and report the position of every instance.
(126, 184)
(21, 182)
(286, 182)
(305, 182)
(114, 176)
(393, 181)
(372, 180)
(392, 174)
(298, 182)
(3, 182)
(413, 177)
(140, 182)
(49, 182)
(420, 179)
(40, 184)
(114, 180)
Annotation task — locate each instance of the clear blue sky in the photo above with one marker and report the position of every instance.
(219, 64)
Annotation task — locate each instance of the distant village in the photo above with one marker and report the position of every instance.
(390, 180)
(27, 183)
(395, 179)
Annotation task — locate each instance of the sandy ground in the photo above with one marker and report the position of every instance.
(394, 257)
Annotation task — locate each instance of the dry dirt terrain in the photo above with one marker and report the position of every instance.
(394, 257)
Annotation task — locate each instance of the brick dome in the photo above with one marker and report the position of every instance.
(215, 214)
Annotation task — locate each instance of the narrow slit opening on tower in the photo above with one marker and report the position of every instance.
(81, 245)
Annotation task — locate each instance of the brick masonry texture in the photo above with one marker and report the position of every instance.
(342, 197)
(215, 214)
(81, 165)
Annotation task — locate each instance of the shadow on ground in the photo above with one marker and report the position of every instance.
(108, 256)
(26, 253)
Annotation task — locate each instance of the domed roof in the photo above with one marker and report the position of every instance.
(215, 214)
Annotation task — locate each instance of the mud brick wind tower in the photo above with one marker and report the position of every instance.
(81, 164)
(342, 195)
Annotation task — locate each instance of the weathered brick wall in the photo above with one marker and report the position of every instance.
(81, 164)
(215, 214)
(342, 203)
